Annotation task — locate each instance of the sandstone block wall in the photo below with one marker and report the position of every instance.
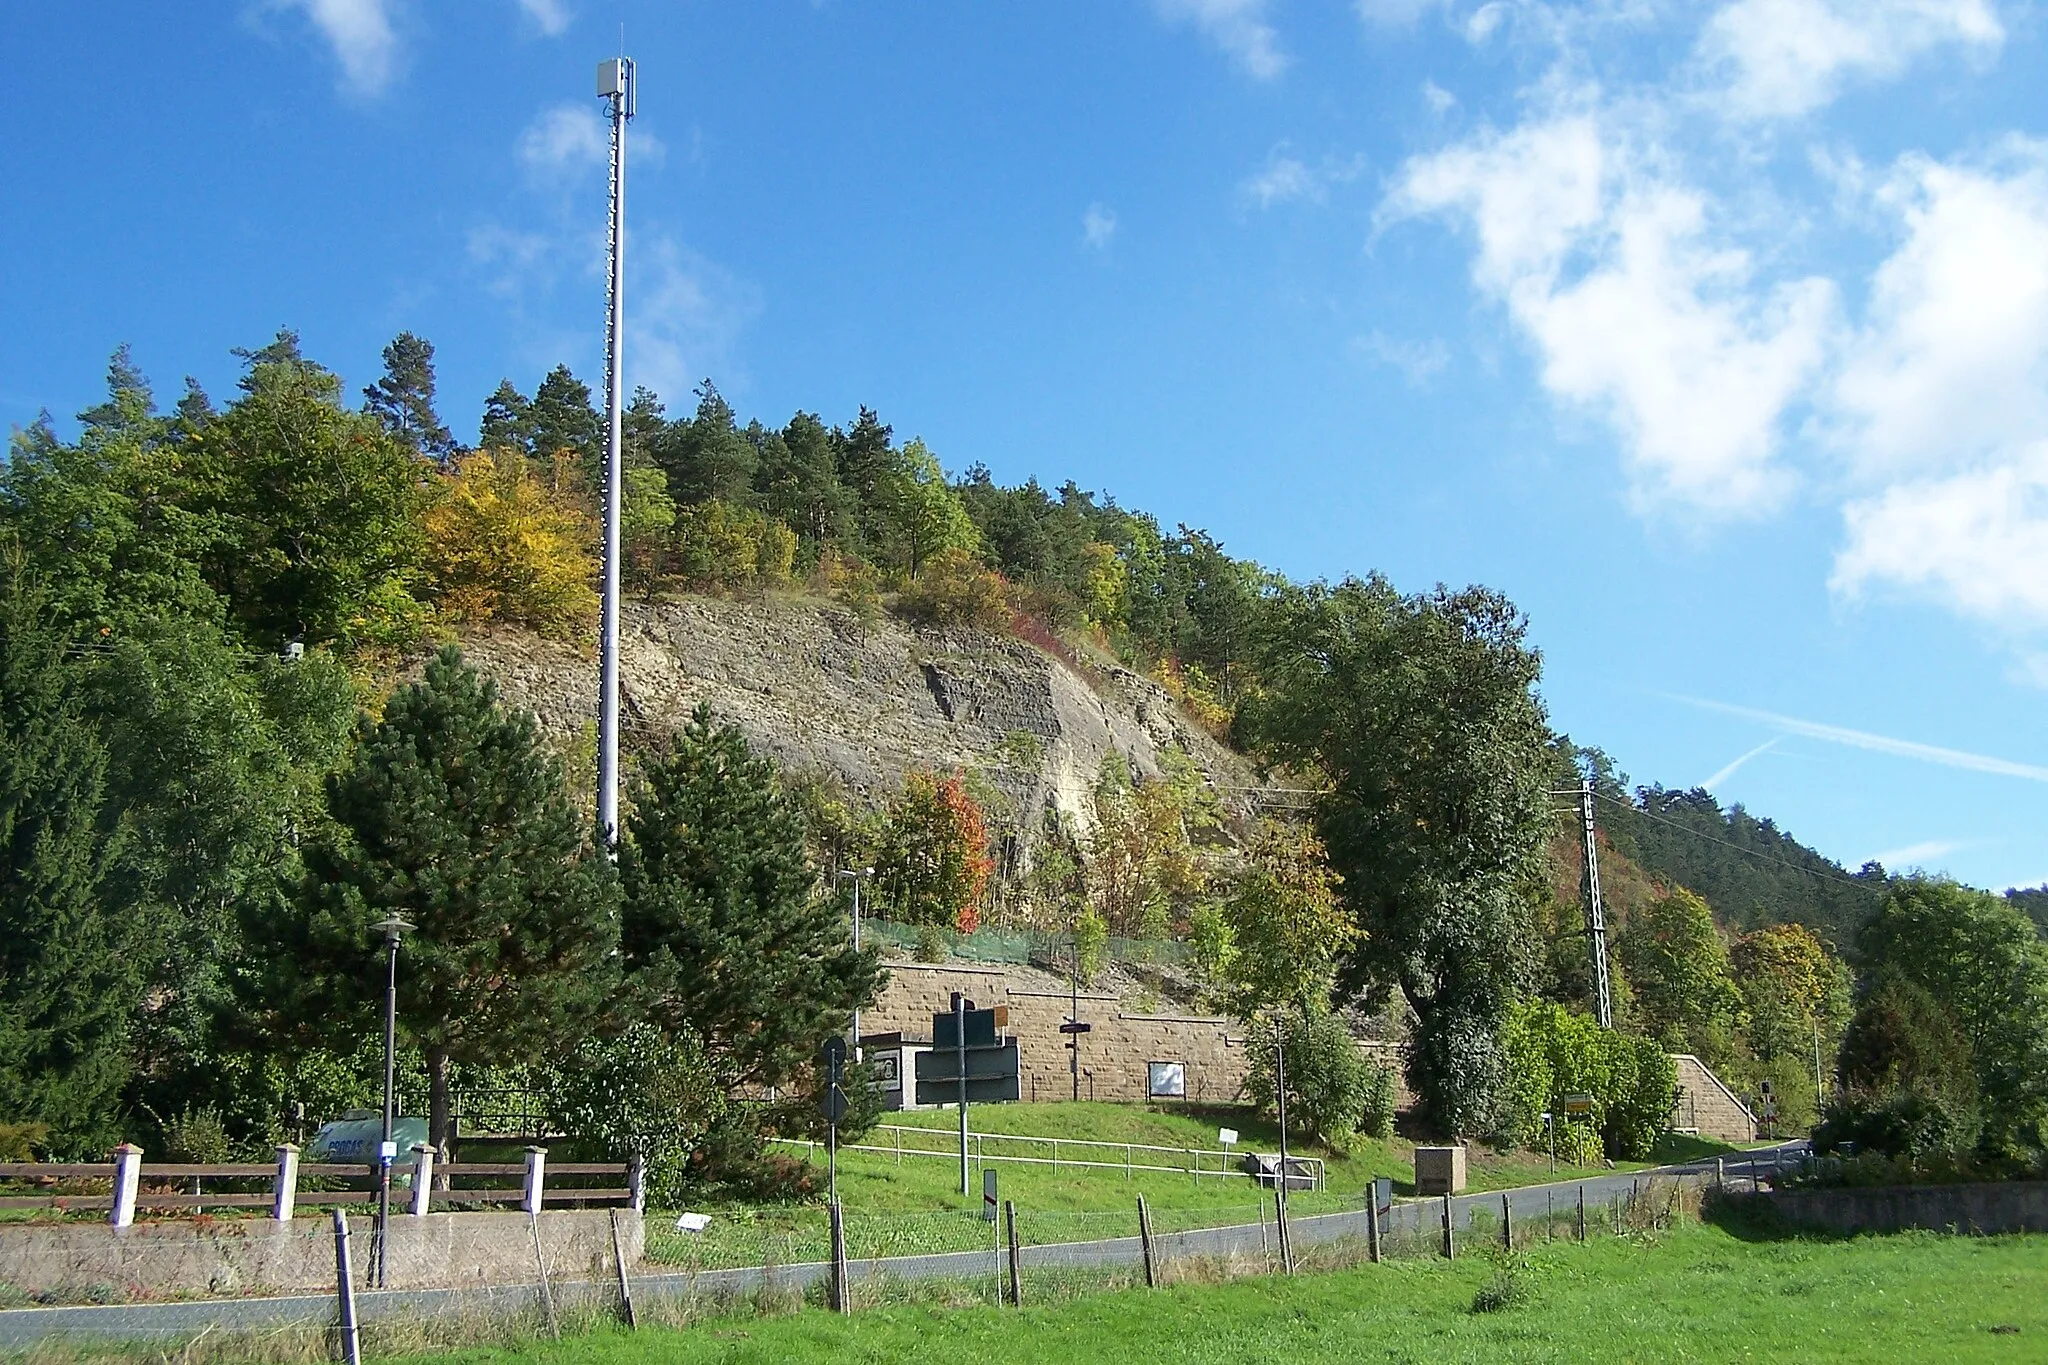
(1708, 1107)
(1115, 1056)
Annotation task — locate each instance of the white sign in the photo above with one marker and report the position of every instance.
(693, 1222)
(1166, 1080)
(1226, 1137)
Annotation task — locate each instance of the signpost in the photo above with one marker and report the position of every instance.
(969, 1061)
(832, 1103)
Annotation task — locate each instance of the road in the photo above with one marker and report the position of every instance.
(23, 1327)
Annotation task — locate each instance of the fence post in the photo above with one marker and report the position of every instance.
(1720, 1173)
(625, 1285)
(345, 1291)
(636, 1182)
(1582, 1213)
(547, 1291)
(284, 1194)
(127, 1175)
(1507, 1224)
(1372, 1222)
(1145, 1242)
(1016, 1258)
(536, 1179)
(1450, 1238)
(842, 1301)
(422, 1178)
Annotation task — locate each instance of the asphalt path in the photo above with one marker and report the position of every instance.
(1419, 1217)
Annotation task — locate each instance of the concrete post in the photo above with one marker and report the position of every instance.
(127, 1175)
(636, 1181)
(536, 1177)
(422, 1178)
(285, 1193)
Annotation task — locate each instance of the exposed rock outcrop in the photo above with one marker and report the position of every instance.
(812, 689)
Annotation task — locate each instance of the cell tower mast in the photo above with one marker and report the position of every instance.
(616, 84)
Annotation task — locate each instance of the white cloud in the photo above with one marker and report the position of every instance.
(1484, 21)
(551, 17)
(1418, 361)
(1239, 27)
(361, 34)
(564, 139)
(1917, 855)
(1637, 312)
(1439, 100)
(1098, 227)
(1953, 360)
(1975, 541)
(1735, 764)
(1883, 744)
(684, 317)
(1782, 58)
(1286, 177)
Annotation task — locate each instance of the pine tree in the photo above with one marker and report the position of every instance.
(561, 418)
(722, 926)
(508, 420)
(453, 817)
(403, 400)
(707, 457)
(67, 985)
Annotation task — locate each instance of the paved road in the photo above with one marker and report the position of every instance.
(21, 1327)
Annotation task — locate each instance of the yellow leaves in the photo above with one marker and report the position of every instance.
(719, 545)
(504, 546)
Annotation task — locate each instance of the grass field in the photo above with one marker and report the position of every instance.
(914, 1205)
(1695, 1293)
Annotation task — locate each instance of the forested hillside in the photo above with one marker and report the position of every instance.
(238, 735)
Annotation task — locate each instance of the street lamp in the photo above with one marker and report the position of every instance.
(854, 875)
(387, 1150)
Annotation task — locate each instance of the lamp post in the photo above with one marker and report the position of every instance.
(854, 875)
(387, 1150)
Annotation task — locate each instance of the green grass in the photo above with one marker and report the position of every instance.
(1695, 1293)
(914, 1205)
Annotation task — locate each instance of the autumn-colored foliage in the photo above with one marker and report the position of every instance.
(934, 865)
(502, 545)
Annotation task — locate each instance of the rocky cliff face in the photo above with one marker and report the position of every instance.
(812, 689)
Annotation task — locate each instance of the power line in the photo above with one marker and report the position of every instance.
(1634, 809)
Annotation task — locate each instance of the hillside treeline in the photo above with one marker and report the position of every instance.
(214, 792)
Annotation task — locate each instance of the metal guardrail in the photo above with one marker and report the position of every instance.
(1193, 1163)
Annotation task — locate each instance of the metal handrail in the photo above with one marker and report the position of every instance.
(1194, 1156)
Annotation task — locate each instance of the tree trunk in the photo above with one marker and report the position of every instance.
(438, 1125)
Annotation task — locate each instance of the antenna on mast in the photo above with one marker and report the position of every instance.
(615, 84)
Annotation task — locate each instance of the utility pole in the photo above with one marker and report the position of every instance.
(854, 876)
(1596, 914)
(615, 83)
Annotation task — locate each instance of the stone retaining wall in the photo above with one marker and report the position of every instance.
(1115, 1056)
(258, 1255)
(2001, 1206)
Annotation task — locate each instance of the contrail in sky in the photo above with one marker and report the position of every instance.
(1883, 744)
(1718, 778)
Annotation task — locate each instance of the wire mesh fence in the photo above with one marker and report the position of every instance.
(1022, 946)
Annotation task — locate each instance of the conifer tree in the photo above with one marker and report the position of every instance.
(561, 418)
(453, 817)
(403, 400)
(67, 986)
(722, 925)
(508, 420)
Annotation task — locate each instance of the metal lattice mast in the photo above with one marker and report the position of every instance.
(1596, 914)
(615, 83)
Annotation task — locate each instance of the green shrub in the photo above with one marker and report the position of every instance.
(197, 1136)
(1328, 1080)
(1091, 942)
(933, 943)
(1901, 1123)
(1377, 1122)
(1553, 1052)
(1508, 1288)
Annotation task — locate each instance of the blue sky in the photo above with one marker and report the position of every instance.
(1714, 334)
